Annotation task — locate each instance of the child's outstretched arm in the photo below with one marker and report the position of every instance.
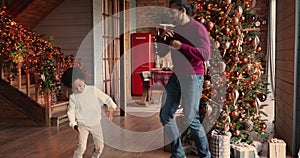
(106, 99)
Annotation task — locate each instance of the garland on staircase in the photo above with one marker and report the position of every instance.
(35, 55)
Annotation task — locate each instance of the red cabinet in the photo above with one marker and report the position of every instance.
(142, 59)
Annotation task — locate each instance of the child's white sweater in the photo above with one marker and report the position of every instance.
(85, 108)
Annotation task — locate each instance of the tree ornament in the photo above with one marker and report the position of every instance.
(206, 84)
(209, 6)
(226, 14)
(227, 30)
(202, 20)
(242, 19)
(214, 92)
(248, 125)
(247, 6)
(227, 45)
(235, 21)
(222, 66)
(217, 44)
(252, 3)
(234, 113)
(257, 23)
(210, 25)
(241, 94)
(262, 97)
(245, 60)
(238, 12)
(263, 126)
(235, 95)
(258, 49)
(227, 2)
(255, 41)
(236, 73)
(236, 132)
(255, 77)
(256, 105)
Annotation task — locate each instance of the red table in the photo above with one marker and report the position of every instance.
(160, 78)
(153, 80)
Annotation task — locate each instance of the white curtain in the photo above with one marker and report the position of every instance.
(271, 49)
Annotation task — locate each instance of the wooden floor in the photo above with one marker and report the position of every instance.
(53, 142)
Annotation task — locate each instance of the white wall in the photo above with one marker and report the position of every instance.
(69, 24)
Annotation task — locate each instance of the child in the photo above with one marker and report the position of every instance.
(84, 111)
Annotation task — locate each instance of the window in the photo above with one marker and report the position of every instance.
(111, 48)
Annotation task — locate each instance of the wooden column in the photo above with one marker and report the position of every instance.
(123, 101)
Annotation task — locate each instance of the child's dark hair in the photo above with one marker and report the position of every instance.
(190, 8)
(70, 75)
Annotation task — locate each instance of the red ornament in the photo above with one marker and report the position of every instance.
(236, 132)
(236, 73)
(210, 25)
(263, 126)
(227, 30)
(234, 113)
(245, 61)
(242, 19)
(258, 49)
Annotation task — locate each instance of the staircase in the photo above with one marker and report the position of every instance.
(24, 94)
(30, 66)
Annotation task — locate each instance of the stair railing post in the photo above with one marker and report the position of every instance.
(47, 97)
(19, 76)
(28, 83)
(1, 69)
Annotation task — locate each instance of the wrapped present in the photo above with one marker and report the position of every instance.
(219, 144)
(244, 150)
(277, 148)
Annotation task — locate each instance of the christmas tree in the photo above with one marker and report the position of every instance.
(236, 65)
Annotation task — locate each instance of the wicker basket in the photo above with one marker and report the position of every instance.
(220, 145)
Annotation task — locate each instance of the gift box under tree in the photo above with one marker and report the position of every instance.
(243, 150)
(277, 148)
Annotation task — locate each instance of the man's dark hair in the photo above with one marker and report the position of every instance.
(72, 74)
(190, 8)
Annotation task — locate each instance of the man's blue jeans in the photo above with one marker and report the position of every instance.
(188, 90)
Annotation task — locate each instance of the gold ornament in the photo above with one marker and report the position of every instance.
(227, 2)
(235, 21)
(238, 12)
(207, 84)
